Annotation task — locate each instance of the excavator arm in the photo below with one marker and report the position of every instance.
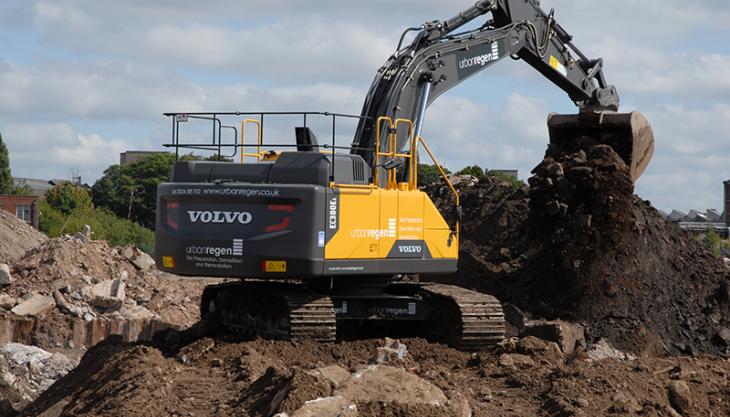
(439, 58)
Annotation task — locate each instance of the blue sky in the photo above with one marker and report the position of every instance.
(82, 80)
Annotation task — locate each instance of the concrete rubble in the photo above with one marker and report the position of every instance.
(34, 305)
(5, 277)
(568, 336)
(30, 370)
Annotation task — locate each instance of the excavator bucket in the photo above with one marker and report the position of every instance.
(629, 134)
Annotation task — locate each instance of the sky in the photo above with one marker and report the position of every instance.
(83, 80)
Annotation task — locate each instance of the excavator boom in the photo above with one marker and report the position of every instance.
(438, 59)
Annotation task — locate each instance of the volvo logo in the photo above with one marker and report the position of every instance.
(227, 217)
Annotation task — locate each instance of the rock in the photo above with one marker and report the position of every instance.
(334, 374)
(5, 277)
(336, 406)
(568, 336)
(722, 337)
(89, 316)
(195, 350)
(393, 350)
(680, 396)
(603, 350)
(389, 384)
(34, 305)
(108, 294)
(7, 302)
(84, 235)
(555, 170)
(65, 306)
(139, 259)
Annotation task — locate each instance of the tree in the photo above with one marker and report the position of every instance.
(473, 170)
(429, 174)
(130, 191)
(6, 178)
(68, 197)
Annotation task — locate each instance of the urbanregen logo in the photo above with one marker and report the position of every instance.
(481, 60)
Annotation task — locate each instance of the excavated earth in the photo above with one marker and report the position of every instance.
(578, 245)
(527, 377)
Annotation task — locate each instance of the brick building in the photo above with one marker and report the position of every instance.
(25, 207)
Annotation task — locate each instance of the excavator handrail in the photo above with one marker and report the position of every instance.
(454, 191)
(243, 140)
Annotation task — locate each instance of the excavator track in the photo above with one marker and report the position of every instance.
(273, 311)
(464, 319)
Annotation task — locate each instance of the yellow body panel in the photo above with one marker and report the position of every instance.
(371, 221)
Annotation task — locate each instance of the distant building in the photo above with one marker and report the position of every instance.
(25, 207)
(130, 157)
(37, 187)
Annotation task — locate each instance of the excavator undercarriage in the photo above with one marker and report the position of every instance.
(296, 311)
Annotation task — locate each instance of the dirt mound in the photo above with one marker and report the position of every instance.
(578, 245)
(17, 237)
(261, 378)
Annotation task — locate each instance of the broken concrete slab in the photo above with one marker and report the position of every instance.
(5, 277)
(568, 336)
(139, 259)
(34, 305)
(392, 350)
(108, 294)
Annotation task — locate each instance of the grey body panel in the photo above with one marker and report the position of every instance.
(212, 226)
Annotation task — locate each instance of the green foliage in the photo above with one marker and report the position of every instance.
(6, 178)
(712, 241)
(134, 186)
(68, 197)
(429, 174)
(473, 170)
(512, 181)
(104, 225)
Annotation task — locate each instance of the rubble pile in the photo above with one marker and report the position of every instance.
(27, 371)
(523, 377)
(73, 292)
(578, 245)
(18, 237)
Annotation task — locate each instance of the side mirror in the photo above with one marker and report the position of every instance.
(392, 164)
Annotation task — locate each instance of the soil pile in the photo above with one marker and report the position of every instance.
(17, 237)
(212, 377)
(578, 245)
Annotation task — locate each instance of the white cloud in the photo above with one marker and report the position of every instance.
(57, 150)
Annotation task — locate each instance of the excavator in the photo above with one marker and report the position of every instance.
(319, 240)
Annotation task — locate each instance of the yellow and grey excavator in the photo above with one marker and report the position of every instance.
(319, 235)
